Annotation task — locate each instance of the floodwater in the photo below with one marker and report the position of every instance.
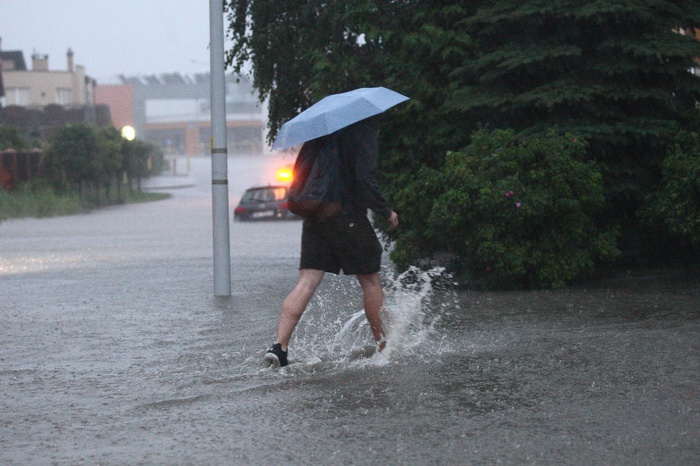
(115, 351)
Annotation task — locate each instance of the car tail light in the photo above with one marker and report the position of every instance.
(284, 205)
(239, 210)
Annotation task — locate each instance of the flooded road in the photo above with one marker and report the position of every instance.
(115, 351)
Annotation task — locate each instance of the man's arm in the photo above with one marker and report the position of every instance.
(366, 160)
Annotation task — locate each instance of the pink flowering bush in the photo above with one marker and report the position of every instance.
(509, 213)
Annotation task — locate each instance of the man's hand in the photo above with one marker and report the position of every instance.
(393, 220)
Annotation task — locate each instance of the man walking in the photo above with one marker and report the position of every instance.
(345, 242)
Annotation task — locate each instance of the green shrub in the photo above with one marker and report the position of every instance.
(676, 202)
(37, 199)
(509, 214)
(11, 139)
(71, 158)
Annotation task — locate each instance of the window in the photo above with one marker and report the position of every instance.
(264, 194)
(64, 96)
(18, 96)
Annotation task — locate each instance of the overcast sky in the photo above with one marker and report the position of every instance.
(110, 37)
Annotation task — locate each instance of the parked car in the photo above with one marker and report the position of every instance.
(263, 203)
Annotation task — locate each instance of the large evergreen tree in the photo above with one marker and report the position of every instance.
(614, 72)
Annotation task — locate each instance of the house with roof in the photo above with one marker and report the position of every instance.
(37, 99)
(40, 85)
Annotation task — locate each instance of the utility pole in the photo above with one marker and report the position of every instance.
(219, 152)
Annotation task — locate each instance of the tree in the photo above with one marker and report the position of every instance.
(611, 70)
(11, 139)
(139, 159)
(71, 158)
(111, 158)
(614, 72)
(299, 52)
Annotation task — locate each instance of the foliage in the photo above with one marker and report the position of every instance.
(37, 199)
(614, 73)
(135, 157)
(303, 51)
(71, 158)
(510, 213)
(676, 201)
(11, 139)
(77, 156)
(79, 166)
(111, 156)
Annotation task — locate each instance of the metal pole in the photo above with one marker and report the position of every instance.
(219, 152)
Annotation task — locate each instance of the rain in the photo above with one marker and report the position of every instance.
(115, 350)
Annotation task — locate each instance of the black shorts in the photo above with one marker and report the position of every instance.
(346, 242)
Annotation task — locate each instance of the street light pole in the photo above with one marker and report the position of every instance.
(219, 152)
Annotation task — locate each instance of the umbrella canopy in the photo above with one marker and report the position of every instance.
(335, 112)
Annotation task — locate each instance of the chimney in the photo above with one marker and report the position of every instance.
(69, 55)
(40, 62)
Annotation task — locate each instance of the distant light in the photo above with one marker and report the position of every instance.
(128, 133)
(285, 174)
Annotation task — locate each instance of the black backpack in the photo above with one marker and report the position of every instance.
(315, 190)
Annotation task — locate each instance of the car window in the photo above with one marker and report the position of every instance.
(264, 195)
(279, 193)
(251, 196)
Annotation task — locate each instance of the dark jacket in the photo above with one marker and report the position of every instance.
(359, 153)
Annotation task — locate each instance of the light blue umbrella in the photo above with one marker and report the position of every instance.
(335, 112)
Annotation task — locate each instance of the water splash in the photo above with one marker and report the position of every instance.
(326, 336)
(409, 317)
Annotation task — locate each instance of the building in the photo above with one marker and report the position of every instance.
(39, 100)
(41, 86)
(120, 100)
(173, 111)
(170, 110)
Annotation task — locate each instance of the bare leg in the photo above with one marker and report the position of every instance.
(373, 299)
(296, 302)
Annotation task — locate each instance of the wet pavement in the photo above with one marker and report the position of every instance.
(115, 351)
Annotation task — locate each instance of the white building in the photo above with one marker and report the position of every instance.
(41, 86)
